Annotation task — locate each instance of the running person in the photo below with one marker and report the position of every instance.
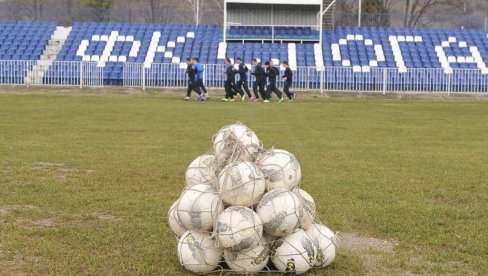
(272, 73)
(229, 81)
(242, 83)
(199, 78)
(259, 80)
(288, 78)
(190, 71)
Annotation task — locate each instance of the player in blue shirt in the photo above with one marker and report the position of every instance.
(199, 78)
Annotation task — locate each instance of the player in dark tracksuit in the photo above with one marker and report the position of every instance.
(272, 73)
(190, 71)
(288, 78)
(260, 80)
(229, 74)
(242, 83)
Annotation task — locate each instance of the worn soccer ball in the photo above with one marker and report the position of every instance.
(238, 229)
(202, 171)
(280, 168)
(280, 211)
(236, 143)
(198, 252)
(309, 208)
(241, 184)
(174, 222)
(326, 243)
(198, 207)
(294, 253)
(250, 261)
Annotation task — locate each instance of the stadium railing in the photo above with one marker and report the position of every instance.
(383, 80)
(57, 73)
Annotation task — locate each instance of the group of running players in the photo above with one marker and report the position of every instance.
(236, 81)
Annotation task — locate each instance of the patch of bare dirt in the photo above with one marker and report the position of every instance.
(60, 170)
(36, 223)
(5, 209)
(355, 242)
(109, 217)
(368, 248)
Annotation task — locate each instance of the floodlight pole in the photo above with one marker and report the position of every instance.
(225, 21)
(360, 10)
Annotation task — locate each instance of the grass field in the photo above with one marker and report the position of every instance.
(86, 179)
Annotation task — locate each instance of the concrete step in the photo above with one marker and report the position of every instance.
(54, 46)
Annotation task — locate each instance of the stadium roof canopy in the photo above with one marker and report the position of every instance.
(272, 14)
(278, 2)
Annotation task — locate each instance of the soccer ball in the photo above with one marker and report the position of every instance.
(326, 243)
(294, 253)
(202, 171)
(198, 252)
(308, 207)
(250, 261)
(236, 143)
(241, 184)
(174, 222)
(198, 207)
(238, 229)
(280, 211)
(280, 168)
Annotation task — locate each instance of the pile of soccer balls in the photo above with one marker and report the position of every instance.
(242, 211)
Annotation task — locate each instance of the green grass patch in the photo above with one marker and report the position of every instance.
(86, 180)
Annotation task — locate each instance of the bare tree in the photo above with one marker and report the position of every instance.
(157, 11)
(415, 10)
(196, 6)
(31, 9)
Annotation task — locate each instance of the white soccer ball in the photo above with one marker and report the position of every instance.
(326, 243)
(238, 229)
(241, 184)
(294, 253)
(198, 252)
(280, 168)
(198, 207)
(174, 222)
(202, 171)
(236, 143)
(250, 261)
(309, 208)
(280, 211)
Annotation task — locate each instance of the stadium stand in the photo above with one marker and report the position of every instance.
(347, 54)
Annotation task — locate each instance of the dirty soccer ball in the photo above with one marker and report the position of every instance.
(326, 243)
(202, 171)
(236, 143)
(198, 252)
(294, 253)
(309, 208)
(241, 184)
(280, 168)
(280, 211)
(238, 229)
(250, 261)
(174, 222)
(198, 207)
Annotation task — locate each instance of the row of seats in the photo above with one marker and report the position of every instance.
(266, 32)
(24, 40)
